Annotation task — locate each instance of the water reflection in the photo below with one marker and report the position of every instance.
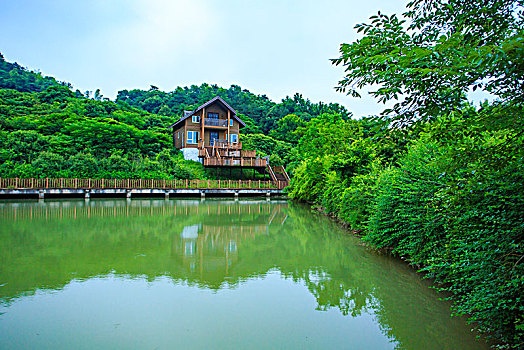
(219, 245)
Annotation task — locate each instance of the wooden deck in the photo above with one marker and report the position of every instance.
(225, 154)
(235, 161)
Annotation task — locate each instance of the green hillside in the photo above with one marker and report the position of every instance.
(47, 130)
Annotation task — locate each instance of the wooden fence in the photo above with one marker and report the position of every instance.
(61, 183)
(235, 161)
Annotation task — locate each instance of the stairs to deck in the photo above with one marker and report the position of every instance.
(277, 173)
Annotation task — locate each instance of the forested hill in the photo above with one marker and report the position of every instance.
(14, 76)
(49, 130)
(259, 112)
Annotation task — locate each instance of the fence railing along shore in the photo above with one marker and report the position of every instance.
(62, 183)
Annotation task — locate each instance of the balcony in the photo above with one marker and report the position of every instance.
(225, 153)
(220, 123)
(220, 144)
(240, 162)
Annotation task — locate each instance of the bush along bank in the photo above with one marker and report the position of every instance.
(448, 198)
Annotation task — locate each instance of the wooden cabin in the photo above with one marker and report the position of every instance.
(210, 134)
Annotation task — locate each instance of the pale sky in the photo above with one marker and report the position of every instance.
(269, 47)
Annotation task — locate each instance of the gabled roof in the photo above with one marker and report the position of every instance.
(213, 100)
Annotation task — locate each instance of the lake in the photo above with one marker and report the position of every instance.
(201, 274)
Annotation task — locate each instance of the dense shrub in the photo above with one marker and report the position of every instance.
(452, 205)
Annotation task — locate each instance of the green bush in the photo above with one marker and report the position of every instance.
(407, 213)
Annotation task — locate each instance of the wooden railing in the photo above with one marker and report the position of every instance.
(235, 161)
(215, 122)
(271, 173)
(61, 183)
(248, 153)
(218, 143)
(221, 153)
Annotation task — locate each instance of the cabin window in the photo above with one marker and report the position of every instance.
(213, 136)
(192, 137)
(230, 122)
(212, 115)
(196, 119)
(233, 138)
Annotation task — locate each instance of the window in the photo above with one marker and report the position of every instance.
(196, 119)
(212, 115)
(212, 137)
(233, 138)
(230, 122)
(192, 137)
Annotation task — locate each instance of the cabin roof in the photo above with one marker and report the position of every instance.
(219, 99)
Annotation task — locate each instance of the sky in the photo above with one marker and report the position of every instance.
(276, 48)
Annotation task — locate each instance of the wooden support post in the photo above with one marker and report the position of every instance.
(202, 122)
(227, 136)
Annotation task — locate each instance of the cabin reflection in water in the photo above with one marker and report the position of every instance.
(212, 245)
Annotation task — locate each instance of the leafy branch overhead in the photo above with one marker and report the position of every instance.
(428, 58)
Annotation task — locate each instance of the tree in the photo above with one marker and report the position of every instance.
(287, 128)
(431, 56)
(56, 93)
(165, 110)
(98, 95)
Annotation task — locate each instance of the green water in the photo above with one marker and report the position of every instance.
(213, 274)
